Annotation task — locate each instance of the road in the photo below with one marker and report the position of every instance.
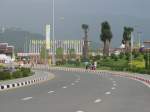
(79, 92)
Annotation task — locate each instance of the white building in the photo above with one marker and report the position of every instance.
(36, 45)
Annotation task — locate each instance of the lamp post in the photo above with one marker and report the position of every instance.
(132, 39)
(53, 54)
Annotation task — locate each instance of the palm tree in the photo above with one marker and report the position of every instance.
(106, 36)
(85, 27)
(127, 37)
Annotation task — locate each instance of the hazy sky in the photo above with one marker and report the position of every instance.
(31, 15)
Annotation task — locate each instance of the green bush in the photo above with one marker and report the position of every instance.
(25, 72)
(114, 64)
(121, 55)
(17, 74)
(77, 63)
(5, 75)
(127, 56)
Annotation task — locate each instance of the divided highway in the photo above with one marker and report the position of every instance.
(79, 92)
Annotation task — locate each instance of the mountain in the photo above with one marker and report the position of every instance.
(18, 37)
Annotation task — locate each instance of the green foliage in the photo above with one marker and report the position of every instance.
(138, 63)
(121, 55)
(127, 56)
(44, 52)
(106, 36)
(97, 57)
(127, 33)
(5, 75)
(106, 33)
(59, 53)
(17, 74)
(85, 27)
(113, 64)
(113, 56)
(77, 63)
(25, 72)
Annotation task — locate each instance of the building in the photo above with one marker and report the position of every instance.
(6, 49)
(77, 45)
(34, 48)
(6, 52)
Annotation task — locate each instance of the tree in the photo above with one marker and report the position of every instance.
(106, 36)
(43, 54)
(127, 38)
(59, 53)
(85, 27)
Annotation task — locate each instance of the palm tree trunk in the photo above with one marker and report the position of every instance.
(86, 45)
(106, 48)
(127, 46)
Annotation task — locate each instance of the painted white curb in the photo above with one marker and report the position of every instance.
(26, 83)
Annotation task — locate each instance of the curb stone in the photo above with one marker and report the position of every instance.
(28, 82)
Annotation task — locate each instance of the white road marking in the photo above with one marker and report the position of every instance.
(113, 88)
(79, 111)
(72, 84)
(98, 101)
(114, 84)
(108, 93)
(76, 81)
(27, 98)
(111, 78)
(64, 87)
(51, 91)
(114, 81)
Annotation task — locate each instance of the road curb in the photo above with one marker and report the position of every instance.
(29, 82)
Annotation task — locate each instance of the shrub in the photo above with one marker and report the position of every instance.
(17, 74)
(77, 63)
(5, 75)
(25, 72)
(121, 56)
(138, 64)
(127, 56)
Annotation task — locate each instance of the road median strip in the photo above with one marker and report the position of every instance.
(22, 83)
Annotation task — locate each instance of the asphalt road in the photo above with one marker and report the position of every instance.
(79, 92)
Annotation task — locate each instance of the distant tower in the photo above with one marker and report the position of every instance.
(48, 28)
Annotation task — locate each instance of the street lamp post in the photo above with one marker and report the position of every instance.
(132, 39)
(53, 54)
